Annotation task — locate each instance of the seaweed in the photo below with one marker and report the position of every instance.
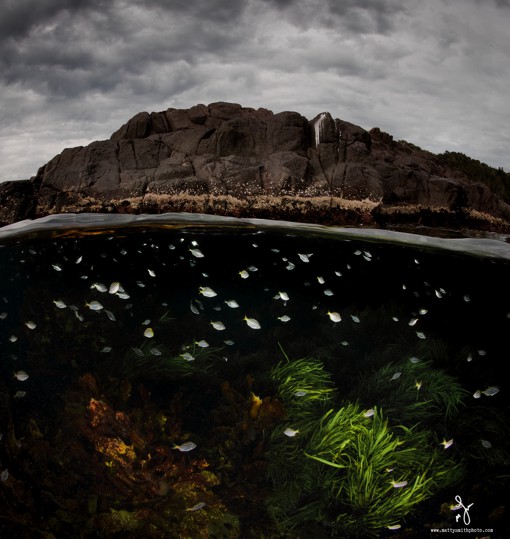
(350, 469)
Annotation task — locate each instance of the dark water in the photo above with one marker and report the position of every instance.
(201, 377)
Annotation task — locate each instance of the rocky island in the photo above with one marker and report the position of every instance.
(227, 159)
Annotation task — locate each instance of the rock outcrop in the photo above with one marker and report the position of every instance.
(224, 158)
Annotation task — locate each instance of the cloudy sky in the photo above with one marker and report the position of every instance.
(432, 72)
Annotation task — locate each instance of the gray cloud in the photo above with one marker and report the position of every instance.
(435, 73)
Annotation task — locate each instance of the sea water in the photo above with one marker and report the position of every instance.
(196, 376)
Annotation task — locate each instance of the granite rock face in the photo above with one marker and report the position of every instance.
(229, 152)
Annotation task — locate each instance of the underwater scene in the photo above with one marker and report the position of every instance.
(187, 376)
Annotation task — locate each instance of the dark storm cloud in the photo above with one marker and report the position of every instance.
(63, 51)
(434, 73)
(361, 16)
(19, 16)
(206, 10)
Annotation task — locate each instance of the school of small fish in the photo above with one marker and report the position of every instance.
(101, 300)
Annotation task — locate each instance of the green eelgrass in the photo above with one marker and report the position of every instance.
(303, 384)
(413, 392)
(382, 472)
(350, 468)
(141, 363)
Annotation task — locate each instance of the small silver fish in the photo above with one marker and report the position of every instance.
(106, 349)
(229, 342)
(94, 306)
(491, 391)
(320, 279)
(329, 292)
(19, 394)
(447, 443)
(193, 309)
(300, 393)
(244, 274)
(486, 444)
(290, 266)
(355, 318)
(56, 267)
(252, 323)
(138, 351)
(395, 376)
(394, 527)
(220, 326)
(420, 335)
(21, 376)
(156, 352)
(110, 315)
(60, 304)
(149, 333)
(369, 413)
(30, 324)
(290, 432)
(197, 253)
(187, 356)
(283, 296)
(477, 394)
(197, 506)
(202, 343)
(100, 287)
(398, 484)
(232, 303)
(185, 447)
(413, 321)
(305, 258)
(114, 288)
(4, 475)
(152, 273)
(207, 292)
(334, 316)
(284, 318)
(13, 338)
